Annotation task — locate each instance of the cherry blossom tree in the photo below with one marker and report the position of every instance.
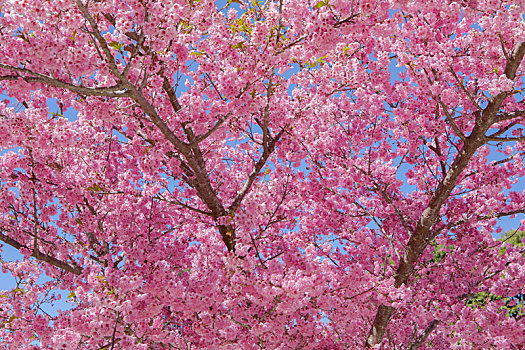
(261, 174)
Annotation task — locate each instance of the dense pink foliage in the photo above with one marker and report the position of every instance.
(261, 175)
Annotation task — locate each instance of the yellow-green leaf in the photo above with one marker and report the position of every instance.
(238, 45)
(321, 4)
(116, 45)
(321, 59)
(95, 187)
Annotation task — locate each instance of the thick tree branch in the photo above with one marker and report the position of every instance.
(166, 86)
(422, 233)
(514, 62)
(383, 315)
(506, 139)
(148, 108)
(201, 182)
(34, 77)
(77, 270)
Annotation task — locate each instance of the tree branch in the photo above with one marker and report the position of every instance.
(41, 256)
(422, 233)
(515, 60)
(268, 149)
(102, 42)
(166, 86)
(453, 124)
(377, 332)
(462, 86)
(506, 139)
(423, 337)
(503, 129)
(34, 77)
(511, 115)
(217, 125)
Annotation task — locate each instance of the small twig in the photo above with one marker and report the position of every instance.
(462, 86)
(421, 339)
(505, 53)
(257, 251)
(113, 341)
(217, 125)
(458, 132)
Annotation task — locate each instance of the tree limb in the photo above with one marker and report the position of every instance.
(102, 42)
(77, 270)
(422, 233)
(34, 77)
(423, 337)
(453, 124)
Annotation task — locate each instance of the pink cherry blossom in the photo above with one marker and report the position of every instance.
(261, 174)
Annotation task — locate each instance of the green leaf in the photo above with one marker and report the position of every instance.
(243, 26)
(321, 4)
(116, 45)
(95, 187)
(185, 270)
(71, 295)
(321, 59)
(186, 26)
(238, 45)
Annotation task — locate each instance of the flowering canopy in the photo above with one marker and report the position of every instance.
(261, 174)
